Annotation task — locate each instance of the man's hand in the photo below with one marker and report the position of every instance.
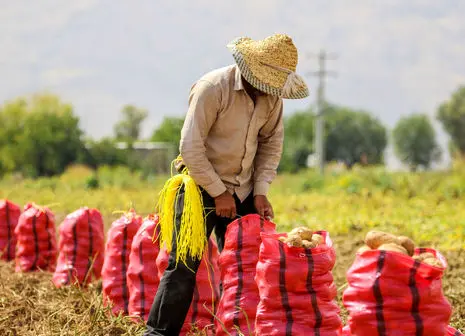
(225, 205)
(263, 207)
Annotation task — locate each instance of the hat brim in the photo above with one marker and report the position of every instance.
(259, 84)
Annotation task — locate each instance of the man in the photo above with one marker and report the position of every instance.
(231, 143)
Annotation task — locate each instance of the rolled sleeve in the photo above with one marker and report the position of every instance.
(261, 188)
(215, 188)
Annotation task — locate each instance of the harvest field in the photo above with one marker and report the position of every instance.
(429, 207)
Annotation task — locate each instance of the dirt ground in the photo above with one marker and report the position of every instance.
(30, 305)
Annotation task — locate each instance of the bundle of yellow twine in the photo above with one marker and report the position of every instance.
(191, 238)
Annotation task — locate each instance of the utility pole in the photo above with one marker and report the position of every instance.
(319, 122)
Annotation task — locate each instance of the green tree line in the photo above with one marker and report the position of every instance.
(41, 136)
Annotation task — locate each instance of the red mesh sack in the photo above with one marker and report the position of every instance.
(238, 261)
(450, 331)
(346, 331)
(117, 250)
(9, 216)
(390, 293)
(142, 273)
(36, 246)
(206, 291)
(297, 289)
(81, 248)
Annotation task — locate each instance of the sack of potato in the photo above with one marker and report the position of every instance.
(296, 286)
(395, 288)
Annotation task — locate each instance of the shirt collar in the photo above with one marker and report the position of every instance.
(238, 85)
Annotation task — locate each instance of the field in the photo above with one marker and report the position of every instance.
(428, 206)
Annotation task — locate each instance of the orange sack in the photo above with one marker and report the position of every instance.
(390, 293)
(9, 216)
(238, 262)
(36, 239)
(297, 289)
(142, 273)
(114, 270)
(81, 248)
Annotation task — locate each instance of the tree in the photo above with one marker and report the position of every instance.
(169, 131)
(103, 152)
(451, 114)
(40, 136)
(298, 141)
(415, 141)
(129, 128)
(352, 135)
(12, 116)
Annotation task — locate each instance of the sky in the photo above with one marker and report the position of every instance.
(395, 57)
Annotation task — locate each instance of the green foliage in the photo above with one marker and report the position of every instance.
(298, 140)
(451, 114)
(415, 141)
(348, 135)
(92, 182)
(129, 128)
(169, 131)
(104, 152)
(353, 133)
(39, 137)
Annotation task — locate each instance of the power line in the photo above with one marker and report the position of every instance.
(319, 123)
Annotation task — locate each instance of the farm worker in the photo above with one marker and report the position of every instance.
(231, 144)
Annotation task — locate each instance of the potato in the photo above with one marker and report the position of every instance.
(425, 255)
(303, 232)
(294, 240)
(433, 262)
(309, 244)
(318, 239)
(393, 247)
(375, 239)
(408, 244)
(364, 248)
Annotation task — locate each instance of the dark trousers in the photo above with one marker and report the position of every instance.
(174, 294)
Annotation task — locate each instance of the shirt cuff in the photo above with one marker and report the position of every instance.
(216, 188)
(261, 188)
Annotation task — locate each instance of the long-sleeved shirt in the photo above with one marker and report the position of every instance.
(227, 141)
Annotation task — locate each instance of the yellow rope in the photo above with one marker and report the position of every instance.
(191, 238)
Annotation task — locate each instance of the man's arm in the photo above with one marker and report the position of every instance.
(204, 104)
(270, 147)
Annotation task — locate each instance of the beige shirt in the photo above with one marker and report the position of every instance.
(227, 142)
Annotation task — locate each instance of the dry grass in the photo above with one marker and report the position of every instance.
(31, 305)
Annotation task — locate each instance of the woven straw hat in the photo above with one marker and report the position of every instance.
(269, 65)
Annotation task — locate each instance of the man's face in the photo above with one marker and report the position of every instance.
(251, 90)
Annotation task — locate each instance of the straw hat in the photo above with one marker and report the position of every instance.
(269, 65)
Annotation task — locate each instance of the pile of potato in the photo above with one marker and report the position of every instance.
(303, 237)
(378, 240)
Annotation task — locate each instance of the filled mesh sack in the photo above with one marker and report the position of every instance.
(297, 289)
(390, 293)
(9, 216)
(81, 248)
(114, 271)
(238, 262)
(36, 240)
(142, 273)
